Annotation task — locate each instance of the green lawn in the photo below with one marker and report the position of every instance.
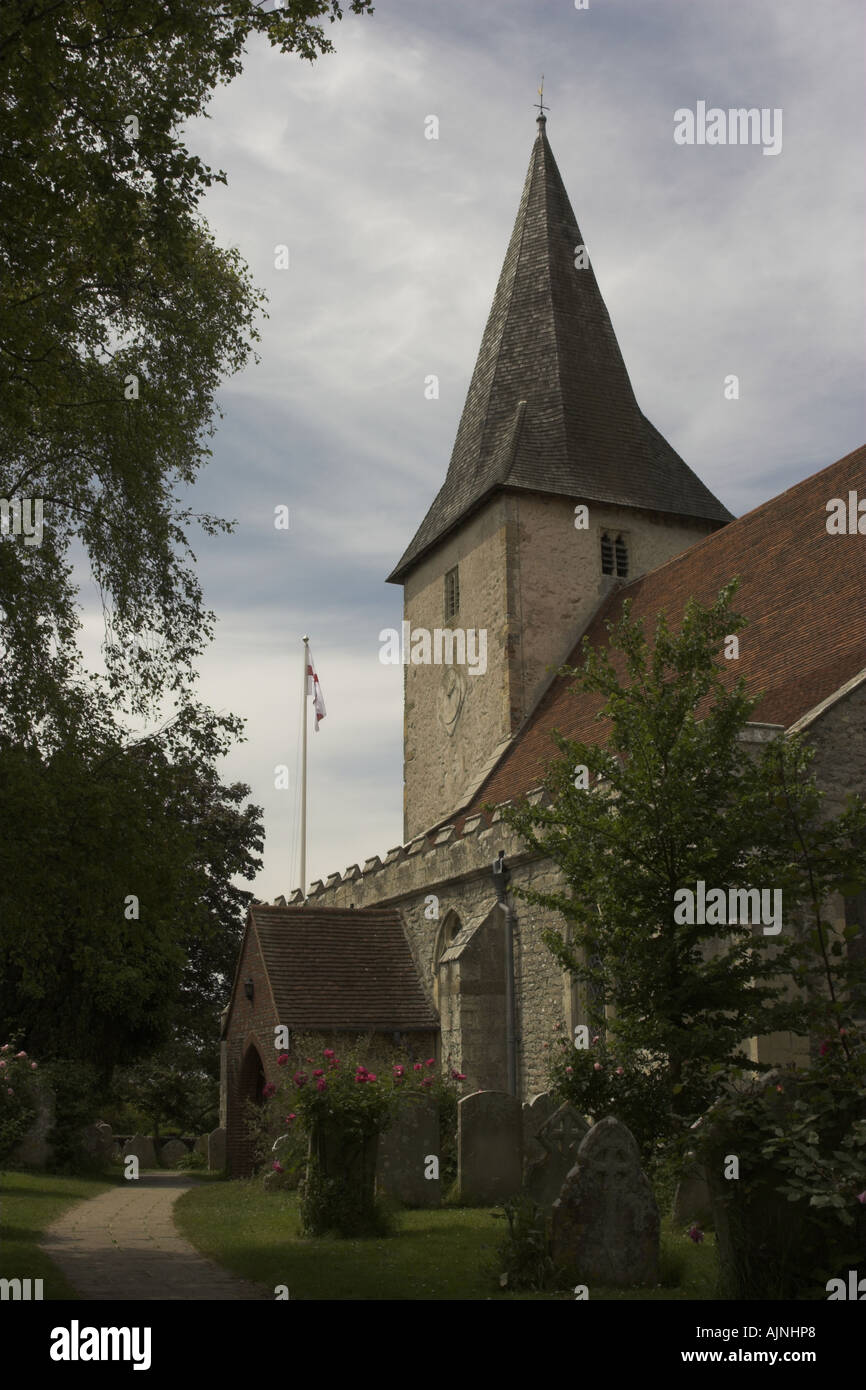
(28, 1203)
(435, 1255)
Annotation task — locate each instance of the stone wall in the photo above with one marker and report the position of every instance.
(532, 581)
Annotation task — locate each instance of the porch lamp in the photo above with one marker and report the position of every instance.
(249, 989)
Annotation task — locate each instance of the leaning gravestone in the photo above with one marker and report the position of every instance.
(171, 1152)
(97, 1142)
(535, 1113)
(606, 1221)
(140, 1147)
(559, 1140)
(216, 1150)
(489, 1147)
(405, 1151)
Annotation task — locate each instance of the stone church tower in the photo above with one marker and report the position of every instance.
(558, 487)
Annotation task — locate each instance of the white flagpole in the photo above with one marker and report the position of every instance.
(305, 640)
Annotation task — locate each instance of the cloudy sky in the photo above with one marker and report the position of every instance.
(712, 260)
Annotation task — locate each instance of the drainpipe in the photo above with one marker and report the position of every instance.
(501, 877)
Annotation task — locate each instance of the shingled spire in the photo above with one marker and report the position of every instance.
(550, 406)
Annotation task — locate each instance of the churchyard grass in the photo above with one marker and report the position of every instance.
(28, 1203)
(437, 1254)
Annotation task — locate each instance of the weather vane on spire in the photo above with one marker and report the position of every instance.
(540, 104)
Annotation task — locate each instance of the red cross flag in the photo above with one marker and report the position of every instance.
(314, 689)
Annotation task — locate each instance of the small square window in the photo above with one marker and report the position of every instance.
(452, 593)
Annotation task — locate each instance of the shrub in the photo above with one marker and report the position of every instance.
(17, 1097)
(524, 1260)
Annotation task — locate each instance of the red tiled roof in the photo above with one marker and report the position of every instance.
(802, 590)
(341, 968)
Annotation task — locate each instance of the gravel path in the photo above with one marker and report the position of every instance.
(124, 1245)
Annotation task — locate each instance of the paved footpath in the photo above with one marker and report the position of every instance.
(124, 1245)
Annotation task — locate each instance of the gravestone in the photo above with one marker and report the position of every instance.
(216, 1150)
(171, 1152)
(140, 1147)
(559, 1140)
(489, 1147)
(606, 1221)
(200, 1146)
(97, 1142)
(404, 1150)
(535, 1113)
(692, 1200)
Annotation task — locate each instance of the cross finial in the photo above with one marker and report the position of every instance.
(540, 104)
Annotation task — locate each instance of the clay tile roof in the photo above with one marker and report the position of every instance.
(341, 968)
(802, 590)
(550, 406)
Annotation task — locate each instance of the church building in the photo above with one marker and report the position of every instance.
(560, 500)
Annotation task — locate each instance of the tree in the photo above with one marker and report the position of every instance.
(119, 317)
(119, 916)
(672, 799)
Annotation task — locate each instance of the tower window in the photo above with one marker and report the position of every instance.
(606, 554)
(452, 593)
(621, 558)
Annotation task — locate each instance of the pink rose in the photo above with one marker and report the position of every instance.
(569, 1071)
(9, 1091)
(696, 1234)
(371, 1076)
(824, 1049)
(291, 1117)
(431, 1061)
(321, 1085)
(299, 1078)
(318, 1072)
(457, 1076)
(417, 1066)
(5, 1047)
(359, 1077)
(328, 1052)
(861, 1197)
(269, 1090)
(282, 1059)
(20, 1054)
(277, 1166)
(596, 1066)
(619, 1071)
(595, 1039)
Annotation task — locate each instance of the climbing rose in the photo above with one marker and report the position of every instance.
(779, 1089)
(282, 1059)
(269, 1090)
(398, 1069)
(427, 1081)
(417, 1066)
(277, 1166)
(318, 1072)
(596, 1066)
(569, 1071)
(457, 1076)
(20, 1054)
(824, 1049)
(299, 1078)
(309, 1059)
(359, 1077)
(321, 1085)
(696, 1234)
(431, 1061)
(619, 1071)
(328, 1052)
(9, 1091)
(5, 1047)
(32, 1066)
(291, 1117)
(371, 1076)
(595, 1039)
(861, 1197)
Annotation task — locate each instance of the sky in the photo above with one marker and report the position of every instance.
(712, 260)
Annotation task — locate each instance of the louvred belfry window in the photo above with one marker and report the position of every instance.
(452, 593)
(621, 558)
(606, 554)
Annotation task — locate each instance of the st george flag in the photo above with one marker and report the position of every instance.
(314, 689)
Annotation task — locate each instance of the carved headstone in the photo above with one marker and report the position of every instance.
(171, 1152)
(141, 1147)
(489, 1146)
(535, 1113)
(216, 1150)
(606, 1221)
(559, 1140)
(404, 1152)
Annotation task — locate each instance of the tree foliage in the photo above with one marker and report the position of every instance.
(672, 797)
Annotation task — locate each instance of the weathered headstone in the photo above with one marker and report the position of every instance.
(171, 1152)
(141, 1147)
(535, 1113)
(97, 1141)
(559, 1139)
(692, 1201)
(489, 1147)
(606, 1221)
(216, 1150)
(200, 1146)
(405, 1151)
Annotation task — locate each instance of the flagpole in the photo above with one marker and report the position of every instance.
(305, 640)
